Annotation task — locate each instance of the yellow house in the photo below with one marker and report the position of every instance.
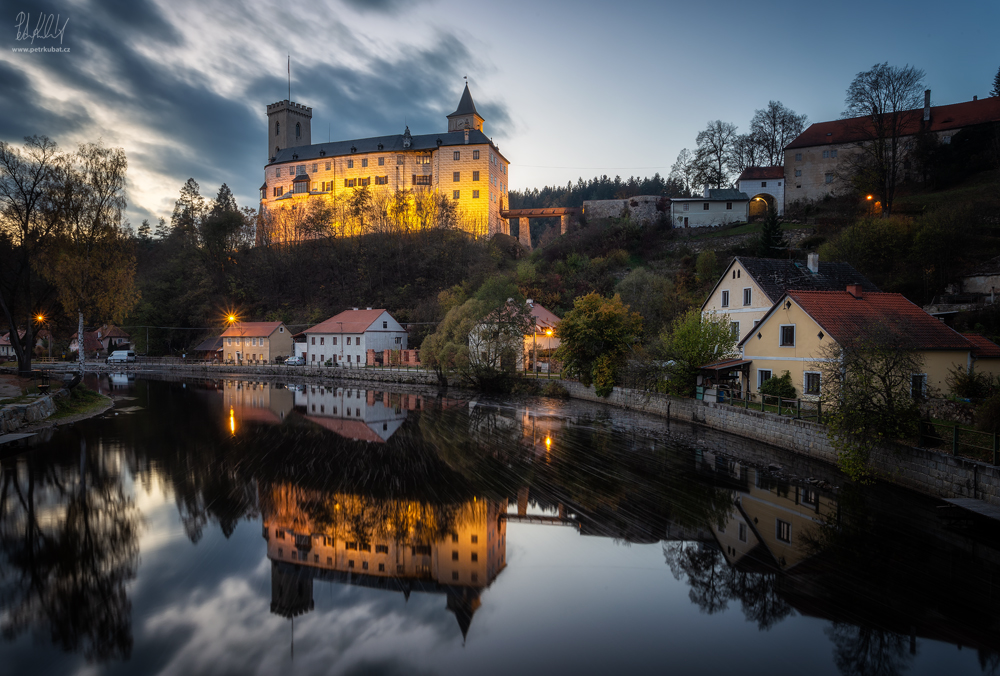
(795, 333)
(256, 342)
(750, 286)
(985, 354)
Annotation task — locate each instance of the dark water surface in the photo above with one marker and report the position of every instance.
(233, 527)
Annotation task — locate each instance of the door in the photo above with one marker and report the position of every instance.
(685, 221)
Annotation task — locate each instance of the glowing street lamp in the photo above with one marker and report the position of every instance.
(40, 318)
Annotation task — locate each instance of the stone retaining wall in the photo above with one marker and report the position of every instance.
(923, 470)
(15, 416)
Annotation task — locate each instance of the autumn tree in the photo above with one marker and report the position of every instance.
(773, 128)
(92, 259)
(595, 336)
(25, 229)
(879, 102)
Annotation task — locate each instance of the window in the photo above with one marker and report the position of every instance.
(381, 180)
(350, 182)
(763, 184)
(422, 180)
(298, 130)
(833, 153)
(350, 563)
(918, 385)
(315, 167)
(798, 172)
(350, 164)
(300, 169)
(455, 194)
(454, 537)
(381, 549)
(277, 172)
(763, 375)
(475, 557)
(423, 159)
(348, 340)
(365, 181)
(687, 207)
(322, 341)
(809, 497)
(475, 194)
(736, 330)
(779, 184)
(783, 530)
(381, 567)
(279, 191)
(725, 299)
(946, 140)
(364, 162)
(277, 128)
(457, 155)
(351, 545)
(787, 335)
(811, 383)
(475, 176)
(454, 556)
(456, 176)
(475, 539)
(454, 575)
(385, 325)
(334, 341)
(399, 160)
(399, 340)
(743, 532)
(328, 166)
(381, 161)
(747, 296)
(826, 154)
(705, 206)
(475, 154)
(828, 178)
(798, 157)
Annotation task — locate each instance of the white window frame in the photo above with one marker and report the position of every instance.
(923, 394)
(781, 334)
(725, 298)
(777, 531)
(736, 329)
(747, 296)
(760, 379)
(805, 380)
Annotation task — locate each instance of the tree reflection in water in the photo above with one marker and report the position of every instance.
(69, 543)
(866, 651)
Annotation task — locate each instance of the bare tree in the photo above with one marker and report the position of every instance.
(746, 152)
(683, 171)
(774, 127)
(879, 101)
(25, 177)
(715, 144)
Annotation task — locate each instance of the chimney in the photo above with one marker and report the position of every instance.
(927, 105)
(855, 290)
(706, 194)
(812, 261)
(975, 98)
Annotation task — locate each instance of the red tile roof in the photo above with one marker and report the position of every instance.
(90, 341)
(252, 329)
(761, 173)
(943, 118)
(544, 319)
(356, 430)
(982, 347)
(348, 321)
(112, 331)
(843, 317)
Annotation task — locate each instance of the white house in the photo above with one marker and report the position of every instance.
(764, 186)
(353, 413)
(344, 338)
(715, 207)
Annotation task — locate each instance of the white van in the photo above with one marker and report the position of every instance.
(121, 357)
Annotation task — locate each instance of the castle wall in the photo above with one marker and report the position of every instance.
(640, 209)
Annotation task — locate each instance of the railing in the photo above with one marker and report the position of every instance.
(962, 441)
(801, 409)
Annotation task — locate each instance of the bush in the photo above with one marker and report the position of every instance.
(555, 390)
(779, 387)
(970, 384)
(988, 415)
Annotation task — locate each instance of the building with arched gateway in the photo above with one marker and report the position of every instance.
(766, 188)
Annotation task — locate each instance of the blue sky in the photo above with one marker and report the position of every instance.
(568, 89)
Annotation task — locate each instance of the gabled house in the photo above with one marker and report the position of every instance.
(210, 348)
(766, 188)
(345, 338)
(91, 343)
(256, 342)
(749, 287)
(714, 207)
(985, 354)
(794, 334)
(112, 338)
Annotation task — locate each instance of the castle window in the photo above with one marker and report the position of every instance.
(381, 180)
(365, 181)
(475, 194)
(276, 149)
(456, 176)
(298, 130)
(798, 172)
(277, 172)
(455, 194)
(422, 180)
(798, 157)
(277, 128)
(300, 169)
(350, 164)
(301, 186)
(328, 166)
(457, 155)
(381, 161)
(399, 160)
(423, 159)
(315, 167)
(475, 176)
(364, 162)
(350, 182)
(763, 184)
(475, 154)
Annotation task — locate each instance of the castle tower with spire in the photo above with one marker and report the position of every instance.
(465, 116)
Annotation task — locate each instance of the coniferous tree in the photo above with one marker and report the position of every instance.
(996, 84)
(771, 238)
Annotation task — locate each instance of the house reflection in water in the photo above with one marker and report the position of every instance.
(354, 413)
(251, 401)
(396, 545)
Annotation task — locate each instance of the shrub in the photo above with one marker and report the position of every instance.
(779, 387)
(988, 415)
(555, 390)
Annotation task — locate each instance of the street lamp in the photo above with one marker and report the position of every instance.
(40, 318)
(233, 318)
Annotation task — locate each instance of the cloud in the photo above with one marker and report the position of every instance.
(381, 6)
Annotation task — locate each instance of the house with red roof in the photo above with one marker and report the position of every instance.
(766, 188)
(798, 330)
(985, 354)
(344, 338)
(256, 342)
(814, 161)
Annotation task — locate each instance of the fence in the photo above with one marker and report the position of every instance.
(800, 409)
(962, 441)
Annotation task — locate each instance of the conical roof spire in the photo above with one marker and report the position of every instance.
(466, 105)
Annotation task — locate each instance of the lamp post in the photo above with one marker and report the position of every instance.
(41, 322)
(548, 350)
(234, 319)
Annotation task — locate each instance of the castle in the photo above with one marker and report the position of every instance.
(461, 165)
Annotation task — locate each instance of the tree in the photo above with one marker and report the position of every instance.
(879, 101)
(188, 210)
(693, 341)
(92, 260)
(145, 230)
(715, 146)
(683, 172)
(773, 128)
(25, 228)
(746, 152)
(771, 239)
(594, 338)
(653, 296)
(707, 267)
(866, 383)
(996, 84)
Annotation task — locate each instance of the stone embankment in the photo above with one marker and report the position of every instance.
(15, 416)
(923, 470)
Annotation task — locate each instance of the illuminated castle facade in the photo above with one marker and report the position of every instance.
(461, 165)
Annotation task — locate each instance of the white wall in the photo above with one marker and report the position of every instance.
(716, 214)
(350, 348)
(775, 188)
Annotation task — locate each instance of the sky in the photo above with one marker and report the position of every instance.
(567, 89)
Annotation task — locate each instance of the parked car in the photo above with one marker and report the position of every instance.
(121, 357)
(295, 361)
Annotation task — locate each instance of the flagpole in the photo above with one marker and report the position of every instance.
(289, 78)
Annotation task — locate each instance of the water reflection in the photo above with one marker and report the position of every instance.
(411, 493)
